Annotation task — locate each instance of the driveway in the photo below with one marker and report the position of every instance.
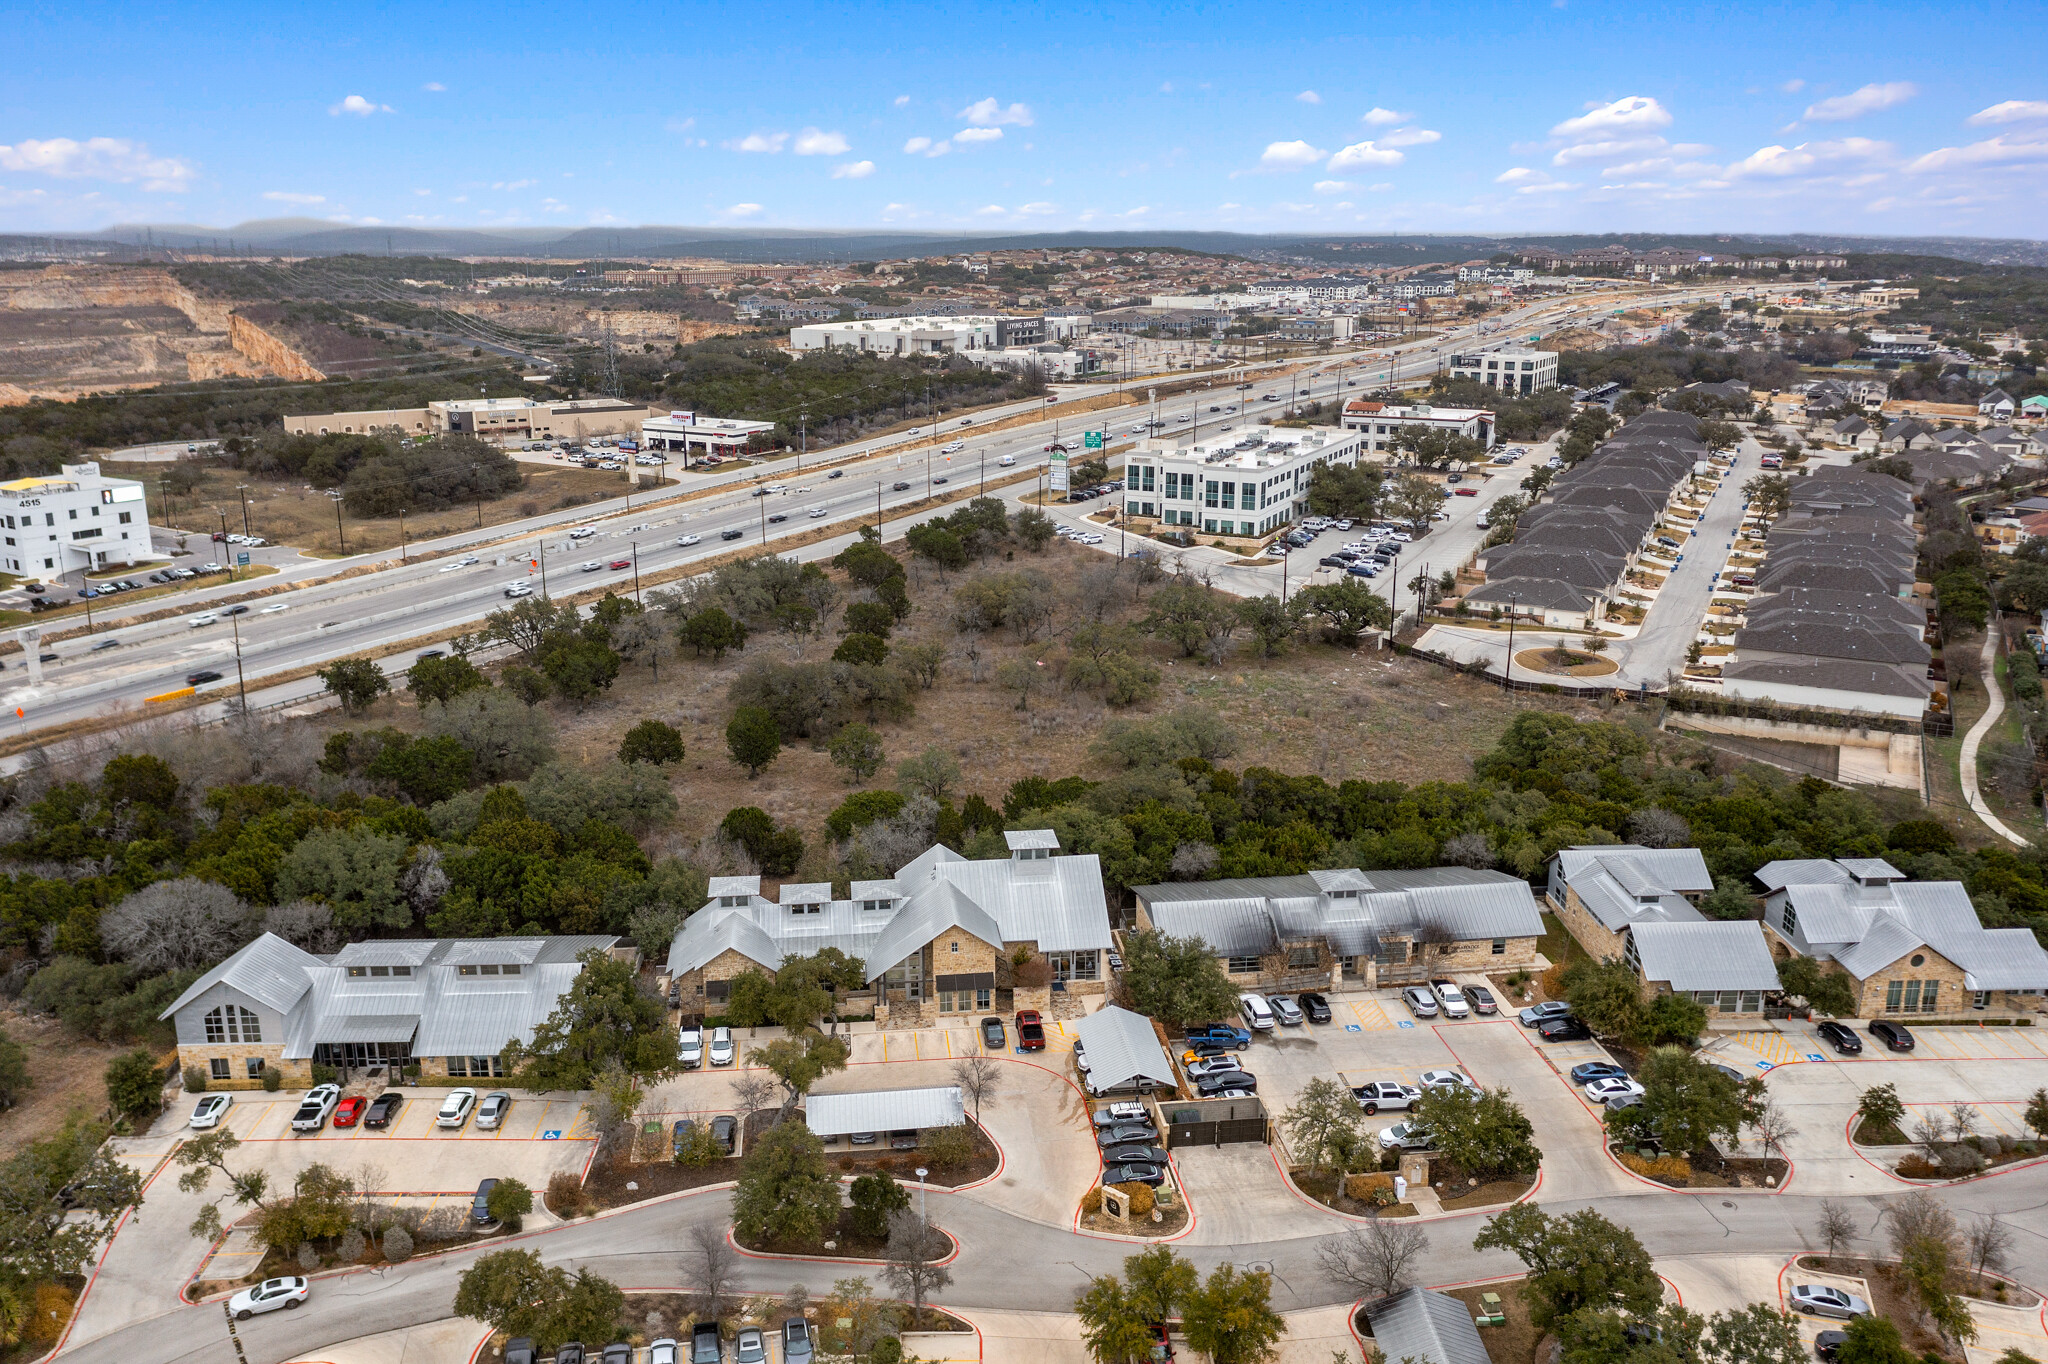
(1674, 620)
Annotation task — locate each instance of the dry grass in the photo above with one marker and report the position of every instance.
(68, 1074)
(1513, 1342)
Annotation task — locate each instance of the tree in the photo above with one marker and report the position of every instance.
(1022, 676)
(1689, 1103)
(1719, 435)
(1669, 1335)
(1925, 1240)
(356, 682)
(2036, 1114)
(857, 748)
(979, 1078)
(604, 1016)
(933, 773)
(914, 1269)
(1607, 996)
(1271, 622)
(652, 741)
(507, 738)
(15, 1080)
(1231, 1317)
(135, 1084)
(1881, 1112)
(712, 631)
(1324, 1116)
(752, 738)
(1340, 490)
(1769, 494)
(1161, 1283)
(1827, 991)
(1346, 609)
(1485, 1134)
(714, 1263)
(1756, 1334)
(527, 622)
(860, 647)
(1576, 1261)
(60, 1198)
(1415, 499)
(751, 1092)
(1034, 528)
(875, 1199)
(354, 872)
(177, 925)
(921, 663)
(1190, 615)
(205, 1156)
(1989, 1245)
(785, 1195)
(513, 1292)
(1375, 1260)
(577, 666)
(1873, 1340)
(1115, 1330)
(798, 1063)
(509, 1200)
(1835, 1228)
(1175, 980)
(425, 771)
(443, 679)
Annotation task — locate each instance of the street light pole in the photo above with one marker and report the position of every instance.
(224, 540)
(1508, 677)
(339, 533)
(403, 551)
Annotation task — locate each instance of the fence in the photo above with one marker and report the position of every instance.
(1212, 1122)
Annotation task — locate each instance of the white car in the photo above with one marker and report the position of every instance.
(455, 1108)
(818, 513)
(1007, 460)
(1446, 1079)
(688, 540)
(582, 532)
(722, 1049)
(1612, 1088)
(690, 1048)
(778, 487)
(1452, 998)
(518, 590)
(207, 619)
(210, 1109)
(314, 1108)
(593, 566)
(952, 447)
(273, 609)
(268, 1296)
(467, 560)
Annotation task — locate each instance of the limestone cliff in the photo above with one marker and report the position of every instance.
(268, 351)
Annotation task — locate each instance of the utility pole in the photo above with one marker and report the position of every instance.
(477, 486)
(803, 437)
(243, 489)
(543, 566)
(636, 570)
(1508, 678)
(340, 534)
(878, 507)
(241, 682)
(764, 519)
(224, 540)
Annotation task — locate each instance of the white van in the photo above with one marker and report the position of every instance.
(1258, 1014)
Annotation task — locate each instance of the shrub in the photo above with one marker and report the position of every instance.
(1917, 1166)
(565, 1194)
(1366, 1188)
(195, 1079)
(1664, 1169)
(699, 1149)
(1091, 1201)
(1142, 1200)
(53, 1304)
(509, 1201)
(887, 1350)
(949, 1145)
(353, 1244)
(135, 1084)
(325, 1074)
(273, 1079)
(651, 741)
(397, 1245)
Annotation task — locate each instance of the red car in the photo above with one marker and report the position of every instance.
(622, 563)
(349, 1109)
(1030, 1032)
(1467, 492)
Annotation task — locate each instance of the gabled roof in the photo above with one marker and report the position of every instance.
(1420, 1324)
(923, 917)
(1255, 915)
(1707, 955)
(1623, 884)
(884, 1110)
(1864, 916)
(269, 970)
(1121, 1046)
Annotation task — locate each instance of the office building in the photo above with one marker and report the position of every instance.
(75, 519)
(1245, 486)
(1510, 370)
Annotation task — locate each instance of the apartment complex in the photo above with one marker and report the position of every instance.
(76, 518)
(1239, 486)
(921, 334)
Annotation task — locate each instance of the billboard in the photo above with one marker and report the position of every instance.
(1058, 463)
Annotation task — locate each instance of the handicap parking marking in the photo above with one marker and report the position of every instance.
(1352, 1027)
(1405, 1023)
(1815, 1056)
(552, 1134)
(1370, 1015)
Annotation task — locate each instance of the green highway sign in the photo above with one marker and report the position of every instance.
(1091, 440)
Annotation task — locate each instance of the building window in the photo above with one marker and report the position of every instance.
(233, 1023)
(480, 1066)
(953, 946)
(983, 998)
(458, 1066)
(1892, 992)
(1500, 947)
(254, 1065)
(1928, 989)
(1243, 966)
(217, 1068)
(945, 1001)
(1788, 917)
(1301, 956)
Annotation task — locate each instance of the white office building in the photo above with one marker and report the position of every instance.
(73, 520)
(905, 335)
(1511, 369)
(687, 434)
(1245, 486)
(1380, 423)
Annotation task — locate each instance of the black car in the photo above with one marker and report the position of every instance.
(234, 611)
(900, 487)
(383, 1109)
(1134, 1155)
(202, 676)
(1893, 1035)
(1134, 1174)
(992, 1035)
(426, 654)
(730, 534)
(1208, 1086)
(836, 473)
(1332, 561)
(705, 1346)
(620, 1353)
(1839, 1036)
(779, 516)
(726, 1129)
(1314, 1005)
(570, 1352)
(1828, 1344)
(480, 1206)
(519, 1350)
(1124, 1134)
(1566, 1029)
(938, 480)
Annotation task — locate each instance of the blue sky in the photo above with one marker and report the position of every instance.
(1587, 115)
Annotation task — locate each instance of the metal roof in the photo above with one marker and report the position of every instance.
(269, 970)
(883, 1110)
(734, 885)
(925, 915)
(1419, 1324)
(1867, 924)
(1121, 1046)
(1238, 917)
(1706, 956)
(1031, 838)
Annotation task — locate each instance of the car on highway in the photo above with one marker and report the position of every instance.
(1314, 1006)
(621, 563)
(274, 608)
(1007, 460)
(105, 644)
(1374, 1095)
(269, 1296)
(1405, 1136)
(730, 534)
(1538, 1014)
(1565, 1029)
(582, 532)
(899, 486)
(953, 447)
(208, 1112)
(592, 566)
(937, 481)
(1893, 1035)
(200, 678)
(206, 618)
(490, 1114)
(349, 1110)
(992, 1034)
(384, 1108)
(688, 540)
(1586, 1072)
(1420, 1001)
(314, 1108)
(1840, 1037)
(518, 590)
(1825, 1300)
(722, 1049)
(818, 513)
(454, 1111)
(777, 516)
(1607, 1090)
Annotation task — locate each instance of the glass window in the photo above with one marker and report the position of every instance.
(1927, 993)
(401, 971)
(1500, 947)
(481, 1066)
(1912, 997)
(233, 1023)
(1243, 966)
(945, 1001)
(1790, 919)
(487, 970)
(458, 1066)
(380, 971)
(1892, 991)
(254, 1065)
(218, 1068)
(983, 998)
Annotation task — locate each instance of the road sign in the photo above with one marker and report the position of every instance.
(242, 559)
(1058, 479)
(1091, 440)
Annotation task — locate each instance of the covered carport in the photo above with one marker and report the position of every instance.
(863, 1112)
(1122, 1052)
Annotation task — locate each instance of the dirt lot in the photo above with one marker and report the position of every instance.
(290, 513)
(68, 1074)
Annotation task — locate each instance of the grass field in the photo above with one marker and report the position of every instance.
(68, 1073)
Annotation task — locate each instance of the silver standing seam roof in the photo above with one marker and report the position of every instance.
(1121, 1046)
(1347, 908)
(1729, 955)
(1419, 1324)
(269, 970)
(884, 1110)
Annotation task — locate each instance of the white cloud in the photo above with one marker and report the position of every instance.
(434, 86)
(990, 211)
(896, 208)
(1364, 154)
(1628, 113)
(1651, 166)
(514, 184)
(1038, 210)
(423, 193)
(1290, 155)
(1547, 187)
(901, 101)
(759, 142)
(811, 142)
(98, 158)
(1377, 116)
(1410, 137)
(853, 170)
(1309, 97)
(1604, 148)
(2011, 111)
(1140, 211)
(1331, 186)
(1792, 87)
(1513, 175)
(743, 210)
(357, 105)
(1380, 188)
(973, 135)
(924, 146)
(1776, 162)
(279, 196)
(988, 114)
(1857, 103)
(1998, 151)
(679, 125)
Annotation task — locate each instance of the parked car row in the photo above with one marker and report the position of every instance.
(691, 1049)
(725, 1129)
(1447, 997)
(1128, 1141)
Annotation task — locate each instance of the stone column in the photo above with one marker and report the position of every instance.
(31, 638)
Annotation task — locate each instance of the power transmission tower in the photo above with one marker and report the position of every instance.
(611, 358)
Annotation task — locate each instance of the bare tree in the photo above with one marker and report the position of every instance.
(1468, 850)
(712, 1259)
(1655, 828)
(1962, 1119)
(1193, 861)
(304, 923)
(1772, 1127)
(1930, 1134)
(1836, 1227)
(752, 1091)
(1375, 1259)
(1917, 1217)
(177, 925)
(1989, 1242)
(915, 1251)
(979, 1077)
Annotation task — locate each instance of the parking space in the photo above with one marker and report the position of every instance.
(529, 1119)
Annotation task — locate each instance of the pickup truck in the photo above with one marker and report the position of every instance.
(1223, 1033)
(1387, 1094)
(1030, 1032)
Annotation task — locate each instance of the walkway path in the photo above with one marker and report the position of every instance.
(1975, 739)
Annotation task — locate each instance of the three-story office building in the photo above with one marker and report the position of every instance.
(74, 519)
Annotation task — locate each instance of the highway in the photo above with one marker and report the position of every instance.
(463, 577)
